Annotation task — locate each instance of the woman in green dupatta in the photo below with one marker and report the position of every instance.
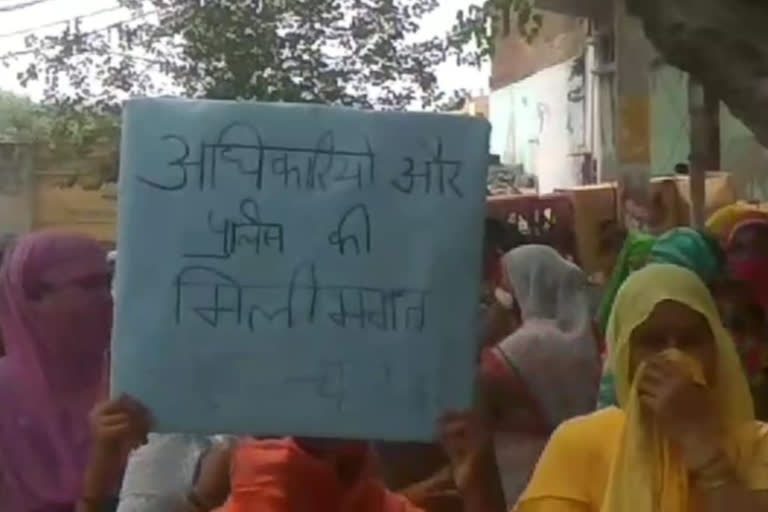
(683, 246)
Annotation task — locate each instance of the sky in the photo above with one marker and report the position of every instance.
(107, 12)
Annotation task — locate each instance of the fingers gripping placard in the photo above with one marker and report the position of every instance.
(298, 270)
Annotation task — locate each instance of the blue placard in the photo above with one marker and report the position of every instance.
(298, 269)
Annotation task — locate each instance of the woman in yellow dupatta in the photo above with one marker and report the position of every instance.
(721, 223)
(685, 439)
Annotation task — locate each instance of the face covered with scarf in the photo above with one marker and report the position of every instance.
(665, 326)
(746, 308)
(56, 314)
(547, 370)
(681, 246)
(684, 247)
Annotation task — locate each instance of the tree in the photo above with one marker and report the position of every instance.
(361, 53)
(472, 39)
(21, 119)
(64, 139)
(722, 43)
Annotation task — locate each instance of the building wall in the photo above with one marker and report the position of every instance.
(14, 190)
(540, 123)
(476, 106)
(534, 124)
(91, 212)
(500, 106)
(740, 152)
(14, 215)
(744, 157)
(670, 121)
(561, 38)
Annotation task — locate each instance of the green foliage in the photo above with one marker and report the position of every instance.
(21, 119)
(64, 138)
(362, 53)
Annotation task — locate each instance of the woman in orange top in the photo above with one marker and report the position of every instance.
(269, 475)
(291, 475)
(261, 475)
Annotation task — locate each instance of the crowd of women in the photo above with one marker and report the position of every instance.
(647, 401)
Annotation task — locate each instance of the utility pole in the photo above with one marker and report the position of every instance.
(633, 118)
(704, 112)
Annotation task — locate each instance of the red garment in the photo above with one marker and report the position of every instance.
(278, 476)
(495, 367)
(493, 270)
(754, 273)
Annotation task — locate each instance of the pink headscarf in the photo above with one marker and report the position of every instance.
(56, 318)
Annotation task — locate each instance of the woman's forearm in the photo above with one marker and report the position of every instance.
(724, 491)
(194, 502)
(90, 505)
(482, 490)
(98, 483)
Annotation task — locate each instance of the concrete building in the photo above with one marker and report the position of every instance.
(541, 108)
(590, 99)
(475, 106)
(31, 199)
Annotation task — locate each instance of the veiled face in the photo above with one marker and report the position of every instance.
(750, 241)
(672, 324)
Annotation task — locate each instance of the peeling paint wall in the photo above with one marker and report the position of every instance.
(540, 123)
(14, 188)
(670, 121)
(744, 157)
(741, 154)
(501, 103)
(561, 37)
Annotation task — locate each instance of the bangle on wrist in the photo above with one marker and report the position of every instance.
(708, 463)
(715, 473)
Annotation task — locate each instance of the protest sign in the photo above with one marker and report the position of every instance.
(298, 269)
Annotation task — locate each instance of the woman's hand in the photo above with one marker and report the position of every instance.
(212, 486)
(467, 443)
(683, 408)
(117, 427)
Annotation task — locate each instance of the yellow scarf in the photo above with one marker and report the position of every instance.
(643, 446)
(721, 223)
(647, 474)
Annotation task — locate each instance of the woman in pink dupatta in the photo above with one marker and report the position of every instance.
(56, 317)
